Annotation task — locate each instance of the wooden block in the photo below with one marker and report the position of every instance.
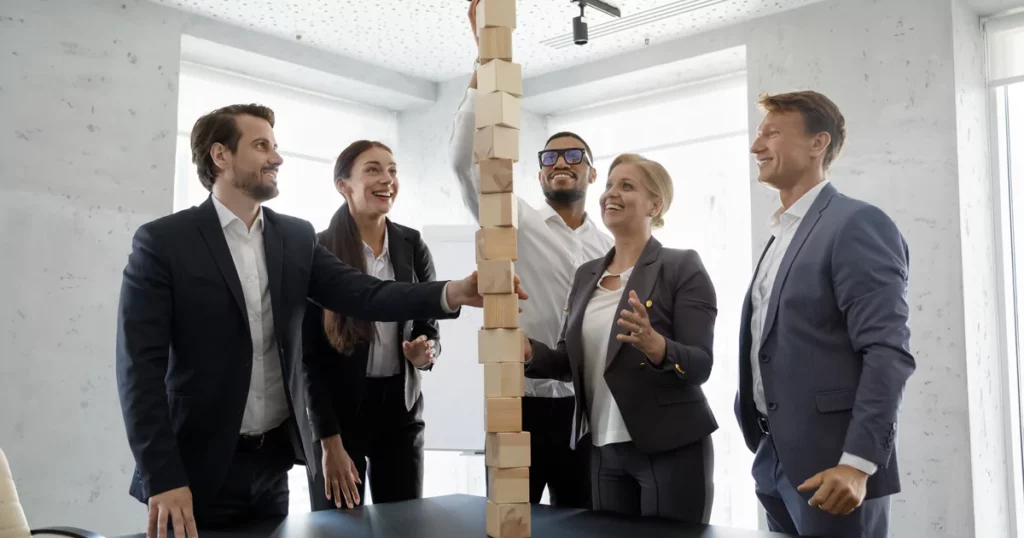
(495, 13)
(499, 209)
(507, 450)
(503, 415)
(508, 485)
(493, 243)
(497, 108)
(496, 175)
(496, 142)
(508, 520)
(500, 345)
(501, 311)
(495, 44)
(500, 76)
(504, 380)
(495, 276)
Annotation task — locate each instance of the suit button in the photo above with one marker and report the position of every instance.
(772, 406)
(765, 358)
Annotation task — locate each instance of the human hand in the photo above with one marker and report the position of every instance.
(641, 335)
(464, 292)
(472, 20)
(340, 473)
(175, 504)
(841, 489)
(420, 352)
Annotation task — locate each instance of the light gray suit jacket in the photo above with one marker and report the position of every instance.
(835, 349)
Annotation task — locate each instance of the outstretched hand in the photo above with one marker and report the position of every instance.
(420, 352)
(641, 335)
(465, 293)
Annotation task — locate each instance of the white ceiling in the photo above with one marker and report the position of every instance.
(991, 7)
(431, 39)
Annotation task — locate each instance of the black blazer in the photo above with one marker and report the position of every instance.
(335, 382)
(184, 352)
(662, 406)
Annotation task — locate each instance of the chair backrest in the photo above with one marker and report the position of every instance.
(12, 517)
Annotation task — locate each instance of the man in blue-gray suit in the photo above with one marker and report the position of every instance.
(824, 344)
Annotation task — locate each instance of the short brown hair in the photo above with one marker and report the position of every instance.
(220, 127)
(658, 178)
(820, 115)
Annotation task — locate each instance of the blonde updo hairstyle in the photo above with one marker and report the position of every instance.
(659, 182)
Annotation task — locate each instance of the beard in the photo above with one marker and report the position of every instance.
(251, 183)
(563, 197)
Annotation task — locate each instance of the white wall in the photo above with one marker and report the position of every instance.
(88, 96)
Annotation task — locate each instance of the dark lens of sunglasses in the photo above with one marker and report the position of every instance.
(574, 156)
(549, 158)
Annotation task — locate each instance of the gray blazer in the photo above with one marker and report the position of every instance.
(835, 349)
(663, 406)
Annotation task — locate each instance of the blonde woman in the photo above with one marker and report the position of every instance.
(637, 345)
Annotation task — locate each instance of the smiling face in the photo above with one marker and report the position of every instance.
(627, 204)
(785, 152)
(372, 187)
(252, 168)
(564, 182)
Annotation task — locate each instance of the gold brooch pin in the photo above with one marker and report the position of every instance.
(649, 303)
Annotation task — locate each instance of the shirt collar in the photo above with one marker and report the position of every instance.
(368, 251)
(799, 208)
(549, 213)
(226, 217)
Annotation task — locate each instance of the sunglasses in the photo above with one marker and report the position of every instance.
(549, 157)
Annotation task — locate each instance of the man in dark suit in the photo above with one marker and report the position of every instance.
(824, 344)
(208, 337)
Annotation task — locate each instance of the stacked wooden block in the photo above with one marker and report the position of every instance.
(496, 149)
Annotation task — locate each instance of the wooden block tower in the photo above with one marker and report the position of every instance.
(496, 149)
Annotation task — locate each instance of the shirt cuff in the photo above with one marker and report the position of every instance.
(444, 300)
(859, 463)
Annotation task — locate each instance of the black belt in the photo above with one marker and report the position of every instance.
(262, 441)
(762, 422)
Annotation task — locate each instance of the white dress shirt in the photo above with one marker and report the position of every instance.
(605, 419)
(266, 406)
(385, 358)
(783, 224)
(549, 250)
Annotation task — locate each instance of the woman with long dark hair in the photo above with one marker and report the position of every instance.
(363, 378)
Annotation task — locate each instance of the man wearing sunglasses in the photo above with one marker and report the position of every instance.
(553, 241)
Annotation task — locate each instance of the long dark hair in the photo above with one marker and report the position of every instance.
(343, 239)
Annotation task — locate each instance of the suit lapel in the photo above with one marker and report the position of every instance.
(213, 235)
(642, 280)
(400, 252)
(585, 291)
(273, 246)
(802, 232)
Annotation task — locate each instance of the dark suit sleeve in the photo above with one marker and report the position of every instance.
(423, 265)
(316, 352)
(870, 271)
(689, 350)
(547, 363)
(144, 322)
(345, 290)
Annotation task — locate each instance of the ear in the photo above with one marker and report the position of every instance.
(593, 175)
(221, 155)
(343, 188)
(656, 209)
(820, 144)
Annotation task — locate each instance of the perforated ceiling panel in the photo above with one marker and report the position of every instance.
(431, 38)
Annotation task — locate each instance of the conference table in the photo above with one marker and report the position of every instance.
(464, 516)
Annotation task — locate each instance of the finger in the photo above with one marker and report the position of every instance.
(190, 523)
(178, 520)
(350, 492)
(151, 525)
(161, 522)
(823, 493)
(641, 310)
(627, 339)
(813, 482)
(339, 491)
(354, 479)
(633, 317)
(834, 501)
(631, 327)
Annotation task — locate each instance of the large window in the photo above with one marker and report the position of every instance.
(699, 133)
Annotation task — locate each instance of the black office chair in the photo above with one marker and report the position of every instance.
(12, 517)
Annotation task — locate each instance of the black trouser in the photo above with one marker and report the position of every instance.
(385, 440)
(677, 484)
(256, 486)
(553, 463)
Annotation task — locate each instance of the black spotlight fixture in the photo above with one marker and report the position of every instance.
(580, 36)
